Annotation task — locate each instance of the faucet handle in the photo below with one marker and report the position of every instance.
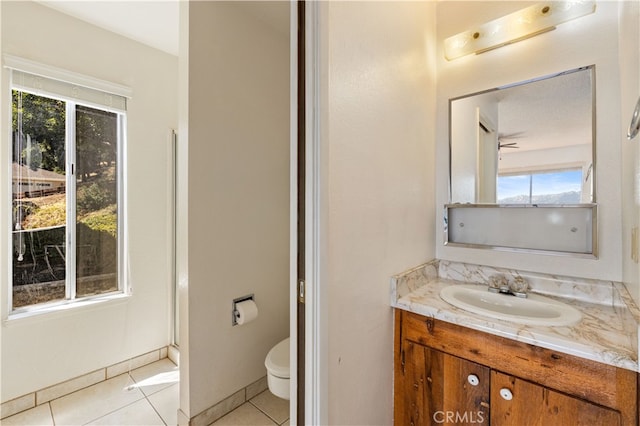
(519, 285)
(498, 283)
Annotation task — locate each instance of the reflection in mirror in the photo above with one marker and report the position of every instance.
(527, 143)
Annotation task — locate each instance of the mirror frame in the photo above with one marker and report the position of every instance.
(592, 207)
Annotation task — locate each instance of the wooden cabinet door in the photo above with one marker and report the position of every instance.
(532, 404)
(441, 389)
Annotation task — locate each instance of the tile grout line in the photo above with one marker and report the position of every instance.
(265, 413)
(154, 407)
(154, 393)
(53, 419)
(70, 393)
(35, 393)
(121, 407)
(113, 411)
(146, 396)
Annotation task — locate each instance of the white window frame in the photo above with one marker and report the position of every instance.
(93, 85)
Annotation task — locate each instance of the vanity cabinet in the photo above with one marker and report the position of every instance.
(448, 374)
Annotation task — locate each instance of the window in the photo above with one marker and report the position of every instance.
(66, 191)
(548, 187)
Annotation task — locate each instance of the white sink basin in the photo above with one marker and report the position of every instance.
(533, 310)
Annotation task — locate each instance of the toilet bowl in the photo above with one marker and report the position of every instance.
(277, 363)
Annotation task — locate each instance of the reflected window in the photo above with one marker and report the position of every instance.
(548, 187)
(65, 192)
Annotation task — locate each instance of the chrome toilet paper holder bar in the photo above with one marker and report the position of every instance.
(234, 311)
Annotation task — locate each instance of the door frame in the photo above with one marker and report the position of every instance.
(315, 390)
(297, 230)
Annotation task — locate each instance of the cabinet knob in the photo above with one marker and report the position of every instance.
(506, 394)
(473, 380)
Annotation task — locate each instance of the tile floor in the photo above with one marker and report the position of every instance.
(145, 396)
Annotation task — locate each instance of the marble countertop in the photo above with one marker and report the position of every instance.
(607, 333)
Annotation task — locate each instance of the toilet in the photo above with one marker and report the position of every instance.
(277, 363)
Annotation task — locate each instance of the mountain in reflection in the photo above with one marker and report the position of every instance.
(570, 197)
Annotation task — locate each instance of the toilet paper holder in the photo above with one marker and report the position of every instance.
(234, 310)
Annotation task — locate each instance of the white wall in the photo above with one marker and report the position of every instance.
(465, 131)
(592, 39)
(546, 159)
(236, 119)
(379, 86)
(48, 349)
(4, 210)
(630, 84)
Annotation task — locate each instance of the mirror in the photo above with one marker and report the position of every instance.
(527, 143)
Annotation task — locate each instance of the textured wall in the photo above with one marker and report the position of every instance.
(380, 213)
(630, 83)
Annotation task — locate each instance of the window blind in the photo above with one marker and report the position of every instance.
(54, 82)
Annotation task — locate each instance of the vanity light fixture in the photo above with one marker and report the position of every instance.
(517, 26)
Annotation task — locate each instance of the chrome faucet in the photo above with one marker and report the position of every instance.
(499, 284)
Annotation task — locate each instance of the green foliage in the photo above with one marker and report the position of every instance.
(43, 120)
(98, 230)
(105, 220)
(24, 208)
(32, 156)
(96, 196)
(47, 215)
(96, 141)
